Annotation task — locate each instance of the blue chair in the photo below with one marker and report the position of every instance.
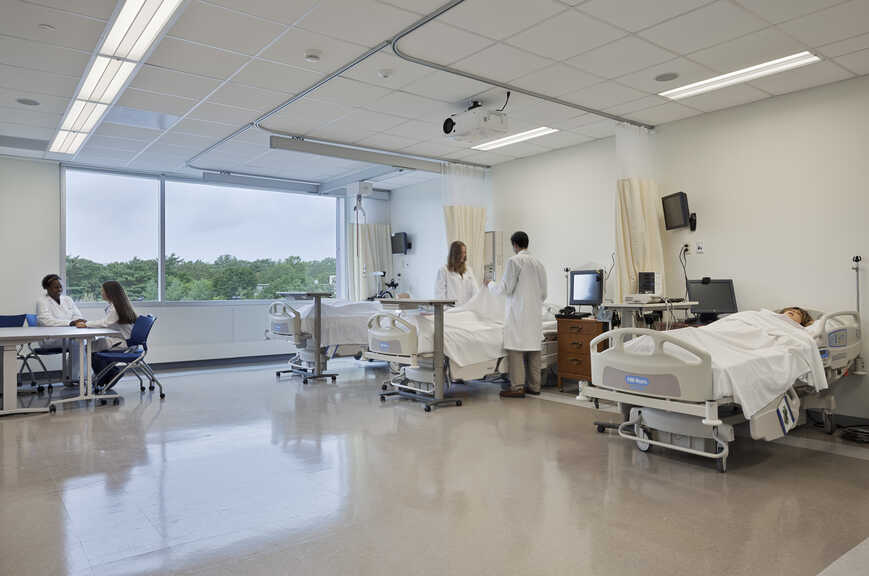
(130, 360)
(23, 353)
(28, 353)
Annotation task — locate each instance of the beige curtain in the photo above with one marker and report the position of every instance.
(468, 224)
(638, 233)
(369, 250)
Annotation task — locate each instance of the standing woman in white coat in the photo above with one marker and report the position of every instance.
(54, 308)
(456, 281)
(524, 284)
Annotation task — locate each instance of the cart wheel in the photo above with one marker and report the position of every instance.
(601, 429)
(427, 408)
(116, 402)
(382, 398)
(642, 436)
(52, 409)
(458, 402)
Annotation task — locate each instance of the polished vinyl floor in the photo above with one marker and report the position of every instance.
(237, 473)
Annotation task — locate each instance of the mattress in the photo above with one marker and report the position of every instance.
(756, 356)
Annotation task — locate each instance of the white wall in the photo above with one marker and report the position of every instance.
(779, 189)
(29, 230)
(418, 210)
(565, 201)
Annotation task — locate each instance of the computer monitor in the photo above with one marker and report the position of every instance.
(676, 213)
(586, 287)
(714, 296)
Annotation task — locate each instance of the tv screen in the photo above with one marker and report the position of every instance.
(676, 213)
(399, 243)
(714, 296)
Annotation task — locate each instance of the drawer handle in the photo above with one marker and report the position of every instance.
(575, 361)
(576, 344)
(575, 329)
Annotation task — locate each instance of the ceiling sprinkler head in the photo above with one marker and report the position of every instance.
(384, 73)
(312, 55)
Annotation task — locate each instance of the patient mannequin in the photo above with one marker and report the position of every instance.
(798, 315)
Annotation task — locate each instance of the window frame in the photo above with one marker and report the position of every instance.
(161, 236)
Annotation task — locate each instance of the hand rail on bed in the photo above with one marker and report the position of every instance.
(827, 317)
(617, 342)
(284, 309)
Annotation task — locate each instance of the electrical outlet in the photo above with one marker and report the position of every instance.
(699, 247)
(687, 248)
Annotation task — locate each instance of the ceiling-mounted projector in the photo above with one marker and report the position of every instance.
(476, 124)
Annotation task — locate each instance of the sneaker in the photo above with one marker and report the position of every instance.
(512, 394)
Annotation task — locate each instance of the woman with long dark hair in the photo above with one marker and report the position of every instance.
(456, 281)
(119, 315)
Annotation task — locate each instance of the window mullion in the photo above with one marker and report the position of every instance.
(161, 249)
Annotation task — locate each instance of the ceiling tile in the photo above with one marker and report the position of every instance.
(503, 63)
(276, 77)
(29, 118)
(225, 29)
(22, 131)
(164, 81)
(442, 43)
(831, 25)
(398, 72)
(284, 11)
(357, 125)
(23, 20)
(856, 62)
(725, 98)
(704, 27)
(780, 10)
(446, 87)
(621, 57)
(141, 100)
(112, 157)
(123, 131)
(388, 142)
(599, 129)
(306, 114)
(438, 148)
(349, 92)
(212, 130)
(800, 78)
(240, 151)
(116, 143)
(242, 96)
(561, 139)
(604, 95)
(747, 51)
(532, 110)
(364, 22)
(94, 8)
(499, 19)
(413, 107)
(688, 72)
(184, 140)
(487, 158)
(524, 149)
(213, 112)
(664, 113)
(565, 35)
(636, 105)
(37, 82)
(418, 6)
(632, 15)
(854, 44)
(195, 58)
(47, 104)
(37, 56)
(417, 130)
(293, 46)
(556, 80)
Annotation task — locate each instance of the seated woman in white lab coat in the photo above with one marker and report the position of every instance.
(54, 308)
(456, 281)
(119, 315)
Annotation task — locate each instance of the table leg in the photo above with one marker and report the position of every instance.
(439, 384)
(10, 378)
(83, 389)
(318, 368)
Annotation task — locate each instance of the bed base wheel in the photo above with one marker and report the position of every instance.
(427, 408)
(102, 402)
(383, 387)
(601, 429)
(382, 398)
(52, 409)
(642, 437)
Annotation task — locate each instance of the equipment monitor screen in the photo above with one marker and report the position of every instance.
(586, 287)
(714, 296)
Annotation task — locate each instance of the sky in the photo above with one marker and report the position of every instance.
(112, 218)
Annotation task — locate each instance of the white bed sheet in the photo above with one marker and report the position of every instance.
(344, 322)
(756, 356)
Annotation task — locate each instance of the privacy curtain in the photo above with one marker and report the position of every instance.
(369, 250)
(467, 190)
(639, 246)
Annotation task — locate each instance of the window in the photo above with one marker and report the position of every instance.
(112, 233)
(226, 243)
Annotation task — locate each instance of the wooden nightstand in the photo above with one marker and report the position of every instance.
(574, 356)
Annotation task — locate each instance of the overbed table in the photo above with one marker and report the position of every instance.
(11, 338)
(319, 370)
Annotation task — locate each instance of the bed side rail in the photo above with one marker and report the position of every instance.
(659, 374)
(841, 344)
(283, 320)
(389, 333)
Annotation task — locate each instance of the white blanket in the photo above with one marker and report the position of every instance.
(756, 356)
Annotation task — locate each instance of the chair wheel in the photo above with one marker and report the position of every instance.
(50, 387)
(141, 388)
(116, 402)
(334, 378)
(382, 398)
(40, 389)
(601, 429)
(305, 381)
(162, 395)
(427, 408)
(52, 409)
(151, 387)
(458, 402)
(102, 402)
(383, 387)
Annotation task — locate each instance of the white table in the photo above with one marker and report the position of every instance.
(11, 338)
(319, 370)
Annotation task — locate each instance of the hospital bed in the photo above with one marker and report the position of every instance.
(339, 329)
(686, 389)
(470, 340)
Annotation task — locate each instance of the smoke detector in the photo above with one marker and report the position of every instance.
(312, 55)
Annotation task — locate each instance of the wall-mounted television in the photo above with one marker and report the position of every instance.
(676, 212)
(400, 244)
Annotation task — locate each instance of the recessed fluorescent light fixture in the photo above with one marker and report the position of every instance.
(129, 38)
(744, 75)
(520, 137)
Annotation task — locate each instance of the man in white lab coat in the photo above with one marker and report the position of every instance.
(524, 284)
